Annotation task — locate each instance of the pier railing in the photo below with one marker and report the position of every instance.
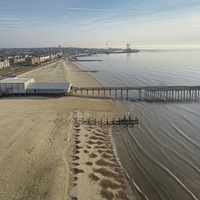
(143, 93)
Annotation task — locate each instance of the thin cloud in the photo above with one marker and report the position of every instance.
(9, 18)
(90, 9)
(113, 10)
(140, 11)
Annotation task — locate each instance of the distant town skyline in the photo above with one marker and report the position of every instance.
(101, 24)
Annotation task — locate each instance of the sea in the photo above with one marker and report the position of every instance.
(160, 155)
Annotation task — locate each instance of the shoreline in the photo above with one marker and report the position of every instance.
(105, 165)
(52, 130)
(76, 76)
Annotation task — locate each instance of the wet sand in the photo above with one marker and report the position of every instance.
(47, 151)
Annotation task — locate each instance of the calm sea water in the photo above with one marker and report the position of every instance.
(161, 155)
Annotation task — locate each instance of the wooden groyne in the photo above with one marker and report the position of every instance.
(87, 60)
(126, 120)
(87, 71)
(144, 93)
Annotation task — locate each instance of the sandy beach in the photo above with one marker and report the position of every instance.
(49, 151)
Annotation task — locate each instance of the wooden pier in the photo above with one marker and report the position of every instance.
(144, 93)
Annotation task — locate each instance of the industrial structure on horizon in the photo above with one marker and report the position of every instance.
(127, 50)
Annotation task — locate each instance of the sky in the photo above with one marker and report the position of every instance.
(99, 23)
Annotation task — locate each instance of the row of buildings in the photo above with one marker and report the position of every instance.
(27, 60)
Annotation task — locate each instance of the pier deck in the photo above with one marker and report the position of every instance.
(145, 93)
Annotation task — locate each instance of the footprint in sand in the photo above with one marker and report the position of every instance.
(113, 159)
(74, 198)
(106, 194)
(122, 195)
(93, 155)
(107, 183)
(91, 142)
(94, 177)
(100, 151)
(75, 158)
(77, 171)
(121, 181)
(77, 141)
(89, 163)
(86, 151)
(77, 129)
(102, 162)
(98, 134)
(93, 137)
(77, 136)
(78, 147)
(73, 185)
(107, 173)
(100, 138)
(74, 178)
(109, 151)
(107, 156)
(76, 151)
(75, 164)
(104, 132)
(101, 147)
(99, 142)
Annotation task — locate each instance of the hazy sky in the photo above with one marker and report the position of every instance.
(93, 23)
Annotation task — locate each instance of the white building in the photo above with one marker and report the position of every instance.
(2, 64)
(9, 86)
(49, 88)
